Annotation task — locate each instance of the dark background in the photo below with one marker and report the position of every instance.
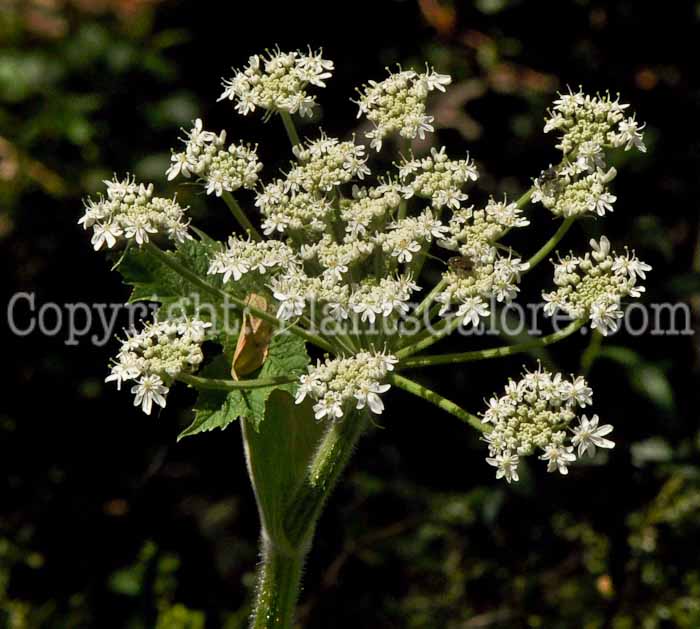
(106, 522)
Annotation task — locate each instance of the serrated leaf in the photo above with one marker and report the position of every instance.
(278, 453)
(218, 409)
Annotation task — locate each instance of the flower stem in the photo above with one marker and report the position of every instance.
(194, 279)
(525, 198)
(551, 243)
(430, 297)
(240, 216)
(290, 128)
(446, 328)
(328, 462)
(221, 384)
(439, 401)
(279, 578)
(495, 352)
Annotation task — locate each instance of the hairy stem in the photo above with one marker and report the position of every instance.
(439, 401)
(495, 352)
(279, 579)
(325, 468)
(241, 216)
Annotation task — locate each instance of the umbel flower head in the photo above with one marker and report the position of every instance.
(594, 285)
(341, 384)
(534, 415)
(587, 127)
(278, 81)
(343, 248)
(220, 168)
(131, 213)
(397, 104)
(155, 356)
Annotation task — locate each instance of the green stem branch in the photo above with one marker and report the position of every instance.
(439, 401)
(241, 216)
(290, 128)
(551, 243)
(222, 384)
(496, 352)
(444, 329)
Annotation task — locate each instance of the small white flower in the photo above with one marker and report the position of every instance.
(578, 391)
(558, 458)
(506, 465)
(149, 389)
(605, 317)
(471, 311)
(368, 394)
(588, 435)
(105, 234)
(329, 406)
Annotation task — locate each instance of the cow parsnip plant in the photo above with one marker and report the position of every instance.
(338, 267)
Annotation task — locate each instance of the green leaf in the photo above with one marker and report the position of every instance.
(278, 452)
(153, 281)
(217, 409)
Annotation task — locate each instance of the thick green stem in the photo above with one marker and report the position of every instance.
(439, 401)
(279, 579)
(290, 128)
(495, 352)
(328, 462)
(279, 575)
(197, 281)
(222, 384)
(551, 243)
(241, 216)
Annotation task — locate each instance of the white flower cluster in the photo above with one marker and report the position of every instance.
(369, 208)
(130, 212)
(438, 178)
(533, 415)
(325, 164)
(286, 212)
(567, 196)
(406, 237)
(278, 82)
(397, 104)
(244, 255)
(340, 384)
(154, 357)
(480, 272)
(388, 296)
(471, 287)
(220, 168)
(587, 126)
(595, 284)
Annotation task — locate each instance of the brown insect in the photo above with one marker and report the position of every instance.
(461, 264)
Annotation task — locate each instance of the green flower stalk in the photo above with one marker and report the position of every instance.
(335, 268)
